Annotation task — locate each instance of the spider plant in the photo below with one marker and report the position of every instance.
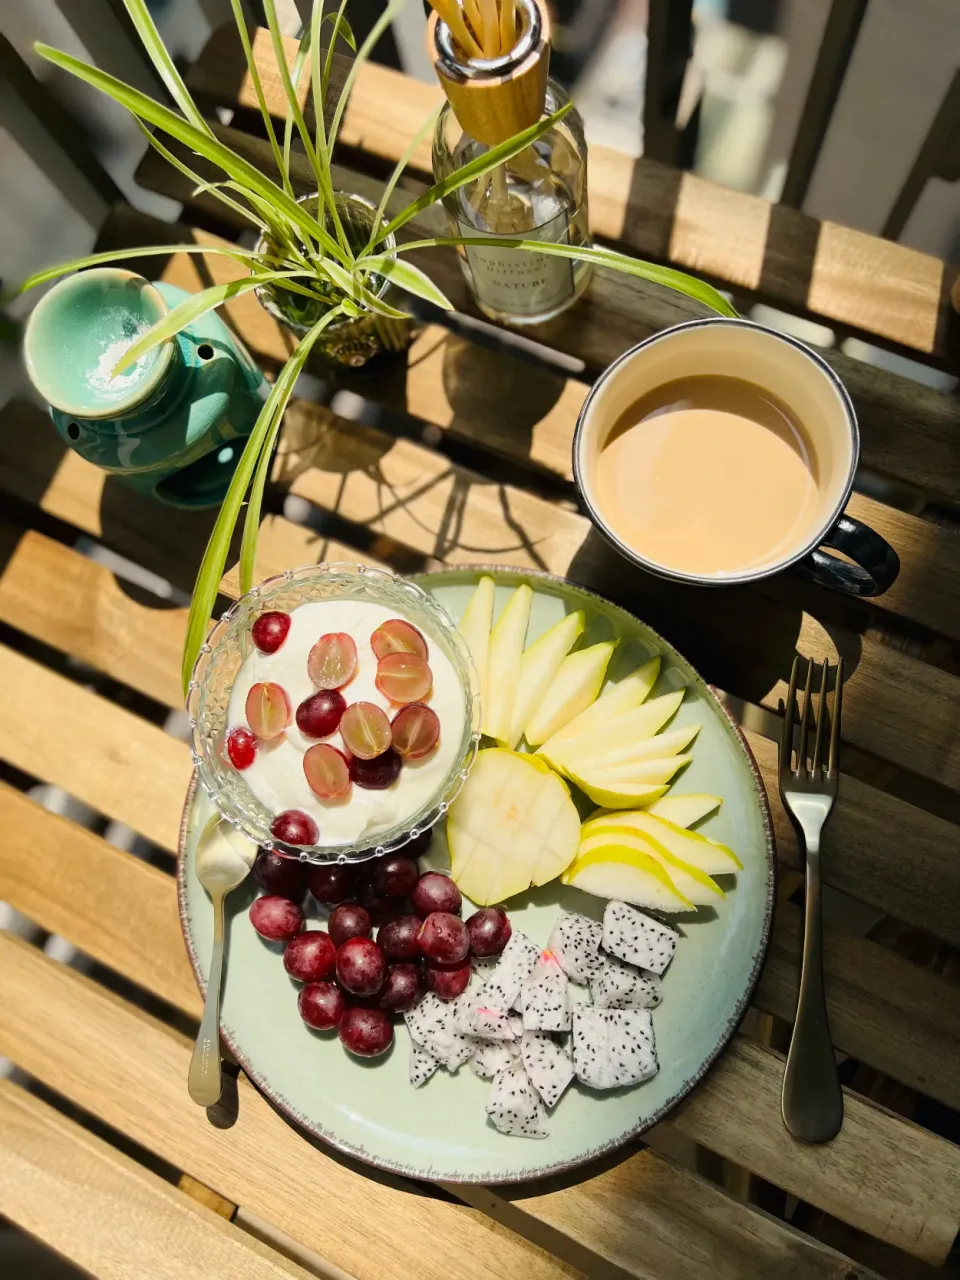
(303, 250)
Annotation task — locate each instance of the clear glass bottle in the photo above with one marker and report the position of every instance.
(541, 194)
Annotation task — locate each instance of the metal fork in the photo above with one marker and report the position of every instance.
(812, 1100)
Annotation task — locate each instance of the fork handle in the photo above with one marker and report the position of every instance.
(812, 1100)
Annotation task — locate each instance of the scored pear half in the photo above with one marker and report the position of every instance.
(539, 664)
(625, 730)
(618, 844)
(626, 695)
(513, 825)
(690, 846)
(575, 686)
(475, 628)
(641, 881)
(684, 811)
(503, 664)
(659, 747)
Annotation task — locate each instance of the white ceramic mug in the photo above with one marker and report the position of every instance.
(809, 388)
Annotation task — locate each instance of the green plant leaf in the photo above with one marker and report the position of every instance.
(363, 53)
(670, 278)
(406, 276)
(139, 104)
(117, 255)
(398, 171)
(159, 56)
(475, 168)
(341, 27)
(324, 80)
(355, 289)
(198, 304)
(280, 158)
(303, 52)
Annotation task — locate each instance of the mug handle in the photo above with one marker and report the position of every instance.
(876, 568)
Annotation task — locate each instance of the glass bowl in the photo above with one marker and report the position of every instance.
(229, 643)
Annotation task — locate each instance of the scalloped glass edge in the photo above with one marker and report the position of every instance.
(229, 641)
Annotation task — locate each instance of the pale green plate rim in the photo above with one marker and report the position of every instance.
(590, 1154)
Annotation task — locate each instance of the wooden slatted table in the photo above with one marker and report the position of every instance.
(460, 453)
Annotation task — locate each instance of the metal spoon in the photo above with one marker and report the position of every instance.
(224, 858)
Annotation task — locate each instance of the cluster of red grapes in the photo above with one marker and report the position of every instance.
(376, 746)
(351, 982)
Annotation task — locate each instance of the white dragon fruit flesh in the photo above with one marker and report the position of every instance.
(637, 938)
(575, 942)
(492, 1057)
(502, 988)
(617, 985)
(545, 996)
(432, 1023)
(515, 1105)
(548, 1068)
(613, 1047)
(422, 1064)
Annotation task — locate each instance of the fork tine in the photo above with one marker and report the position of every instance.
(835, 723)
(804, 723)
(821, 720)
(786, 732)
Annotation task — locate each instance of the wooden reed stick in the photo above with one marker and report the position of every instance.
(490, 22)
(508, 25)
(450, 12)
(471, 11)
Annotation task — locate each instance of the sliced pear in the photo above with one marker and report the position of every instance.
(642, 881)
(621, 844)
(709, 855)
(575, 686)
(626, 695)
(651, 772)
(623, 796)
(513, 825)
(684, 811)
(503, 664)
(475, 629)
(539, 664)
(626, 730)
(658, 747)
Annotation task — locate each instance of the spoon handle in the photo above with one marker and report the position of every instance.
(204, 1081)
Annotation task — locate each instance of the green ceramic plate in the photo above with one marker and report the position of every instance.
(440, 1132)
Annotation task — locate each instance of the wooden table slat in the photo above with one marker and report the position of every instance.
(107, 1214)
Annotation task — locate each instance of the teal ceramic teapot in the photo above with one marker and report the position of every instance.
(173, 425)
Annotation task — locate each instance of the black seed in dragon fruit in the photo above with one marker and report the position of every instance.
(575, 942)
(515, 1105)
(492, 1057)
(637, 938)
(617, 985)
(548, 1067)
(422, 1064)
(502, 988)
(613, 1047)
(545, 996)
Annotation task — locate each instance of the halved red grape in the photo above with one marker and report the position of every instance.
(321, 1005)
(267, 709)
(276, 918)
(270, 630)
(331, 884)
(376, 774)
(404, 677)
(310, 956)
(415, 730)
(365, 730)
(319, 715)
(489, 931)
(366, 1032)
(443, 937)
(398, 636)
(435, 892)
(278, 873)
(361, 967)
(447, 981)
(398, 938)
(241, 747)
(348, 921)
(332, 660)
(395, 875)
(402, 988)
(326, 771)
(293, 826)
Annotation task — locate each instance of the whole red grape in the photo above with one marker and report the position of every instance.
(277, 873)
(241, 747)
(447, 981)
(402, 989)
(276, 918)
(489, 931)
(443, 937)
(293, 826)
(361, 967)
(435, 892)
(366, 1032)
(395, 875)
(348, 921)
(310, 957)
(398, 938)
(270, 630)
(376, 774)
(419, 844)
(379, 909)
(332, 883)
(319, 715)
(321, 1005)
